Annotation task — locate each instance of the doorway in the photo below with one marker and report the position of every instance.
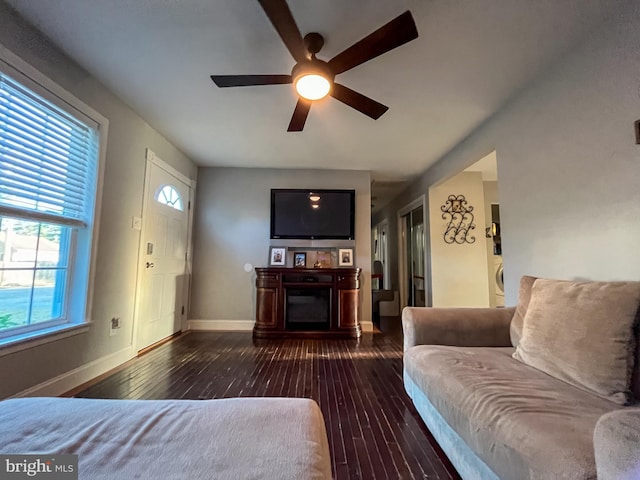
(379, 246)
(163, 258)
(466, 269)
(494, 256)
(413, 259)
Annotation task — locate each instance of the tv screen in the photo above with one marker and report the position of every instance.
(313, 214)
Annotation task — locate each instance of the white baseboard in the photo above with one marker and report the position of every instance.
(73, 378)
(222, 325)
(367, 327)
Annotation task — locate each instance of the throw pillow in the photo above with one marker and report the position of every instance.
(583, 334)
(524, 296)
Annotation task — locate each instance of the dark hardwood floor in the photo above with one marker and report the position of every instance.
(374, 431)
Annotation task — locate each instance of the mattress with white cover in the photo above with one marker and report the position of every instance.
(239, 438)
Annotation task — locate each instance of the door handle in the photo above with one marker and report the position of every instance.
(149, 264)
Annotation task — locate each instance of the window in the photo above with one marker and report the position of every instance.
(48, 182)
(168, 195)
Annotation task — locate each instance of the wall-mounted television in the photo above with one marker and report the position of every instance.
(313, 214)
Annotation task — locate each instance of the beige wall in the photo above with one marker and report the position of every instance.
(568, 165)
(75, 358)
(459, 276)
(232, 229)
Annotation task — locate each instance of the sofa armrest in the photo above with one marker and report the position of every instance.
(616, 442)
(459, 327)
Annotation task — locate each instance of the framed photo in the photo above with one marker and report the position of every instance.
(345, 257)
(299, 260)
(323, 260)
(277, 256)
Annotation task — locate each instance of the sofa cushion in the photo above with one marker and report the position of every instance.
(524, 296)
(615, 440)
(583, 333)
(521, 422)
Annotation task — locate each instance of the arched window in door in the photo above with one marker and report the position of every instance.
(168, 195)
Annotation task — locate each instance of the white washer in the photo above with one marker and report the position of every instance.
(499, 278)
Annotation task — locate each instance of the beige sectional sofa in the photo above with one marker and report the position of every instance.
(544, 390)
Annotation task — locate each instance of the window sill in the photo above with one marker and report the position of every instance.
(25, 341)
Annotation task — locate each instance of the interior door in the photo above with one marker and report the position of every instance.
(165, 230)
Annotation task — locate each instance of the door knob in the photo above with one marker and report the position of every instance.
(149, 264)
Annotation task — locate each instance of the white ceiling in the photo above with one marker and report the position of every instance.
(470, 58)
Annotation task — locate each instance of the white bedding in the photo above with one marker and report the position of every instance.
(239, 438)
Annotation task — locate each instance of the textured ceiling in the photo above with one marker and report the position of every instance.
(470, 58)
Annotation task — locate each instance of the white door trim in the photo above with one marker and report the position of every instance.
(151, 157)
(189, 265)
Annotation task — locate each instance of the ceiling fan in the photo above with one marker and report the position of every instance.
(314, 78)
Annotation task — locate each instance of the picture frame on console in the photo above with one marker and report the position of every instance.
(345, 257)
(299, 260)
(323, 260)
(277, 256)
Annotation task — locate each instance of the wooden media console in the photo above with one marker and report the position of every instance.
(304, 302)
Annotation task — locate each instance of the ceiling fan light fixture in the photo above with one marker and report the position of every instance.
(312, 86)
(312, 80)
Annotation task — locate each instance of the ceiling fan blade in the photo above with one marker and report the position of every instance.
(282, 20)
(299, 116)
(398, 31)
(356, 100)
(249, 80)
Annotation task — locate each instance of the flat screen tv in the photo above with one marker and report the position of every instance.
(313, 214)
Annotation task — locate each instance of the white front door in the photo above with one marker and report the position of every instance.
(165, 230)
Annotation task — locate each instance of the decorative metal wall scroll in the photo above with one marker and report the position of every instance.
(460, 220)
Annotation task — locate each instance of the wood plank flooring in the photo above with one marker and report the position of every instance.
(374, 431)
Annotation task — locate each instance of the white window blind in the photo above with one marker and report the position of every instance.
(47, 158)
